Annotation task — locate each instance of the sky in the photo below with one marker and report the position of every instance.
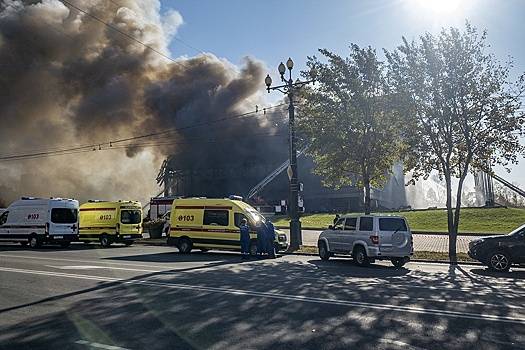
(273, 30)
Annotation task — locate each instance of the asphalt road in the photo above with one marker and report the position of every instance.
(145, 297)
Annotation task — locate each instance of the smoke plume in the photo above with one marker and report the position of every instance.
(69, 80)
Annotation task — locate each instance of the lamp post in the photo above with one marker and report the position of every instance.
(288, 88)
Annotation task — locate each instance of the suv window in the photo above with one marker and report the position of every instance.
(339, 224)
(350, 224)
(3, 218)
(366, 224)
(392, 224)
(216, 217)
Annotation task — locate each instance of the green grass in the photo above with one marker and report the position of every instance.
(472, 220)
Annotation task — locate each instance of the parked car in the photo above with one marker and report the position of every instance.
(368, 238)
(499, 253)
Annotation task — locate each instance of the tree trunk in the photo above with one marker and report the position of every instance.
(366, 182)
(452, 233)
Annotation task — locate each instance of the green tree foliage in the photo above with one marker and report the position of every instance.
(347, 120)
(460, 111)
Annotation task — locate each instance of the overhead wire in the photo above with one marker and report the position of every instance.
(116, 142)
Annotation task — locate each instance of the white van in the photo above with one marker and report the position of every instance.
(37, 221)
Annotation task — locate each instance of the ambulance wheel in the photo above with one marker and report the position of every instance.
(128, 243)
(65, 244)
(34, 242)
(253, 248)
(105, 242)
(185, 246)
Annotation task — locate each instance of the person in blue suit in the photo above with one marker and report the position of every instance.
(270, 239)
(261, 239)
(245, 239)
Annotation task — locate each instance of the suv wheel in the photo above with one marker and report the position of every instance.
(185, 246)
(360, 257)
(499, 261)
(398, 262)
(324, 254)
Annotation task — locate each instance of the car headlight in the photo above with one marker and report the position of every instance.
(282, 237)
(476, 242)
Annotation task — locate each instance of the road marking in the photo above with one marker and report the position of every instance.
(364, 282)
(80, 261)
(99, 345)
(279, 296)
(98, 267)
(399, 343)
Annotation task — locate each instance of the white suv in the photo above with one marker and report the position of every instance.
(367, 238)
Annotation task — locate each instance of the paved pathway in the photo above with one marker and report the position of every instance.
(431, 243)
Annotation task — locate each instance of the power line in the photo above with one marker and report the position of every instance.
(144, 145)
(111, 143)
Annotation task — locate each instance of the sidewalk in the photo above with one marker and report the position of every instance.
(422, 242)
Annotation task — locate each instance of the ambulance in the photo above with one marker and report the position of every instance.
(110, 222)
(205, 223)
(36, 221)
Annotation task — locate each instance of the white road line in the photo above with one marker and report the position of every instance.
(400, 344)
(400, 297)
(99, 345)
(369, 282)
(101, 261)
(279, 296)
(98, 267)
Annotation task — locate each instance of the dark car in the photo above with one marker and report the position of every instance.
(500, 252)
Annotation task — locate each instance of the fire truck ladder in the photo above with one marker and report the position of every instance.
(257, 188)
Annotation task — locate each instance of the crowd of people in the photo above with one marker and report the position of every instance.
(265, 239)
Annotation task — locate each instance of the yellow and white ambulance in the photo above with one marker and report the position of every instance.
(110, 222)
(205, 223)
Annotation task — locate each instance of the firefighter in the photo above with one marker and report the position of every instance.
(245, 239)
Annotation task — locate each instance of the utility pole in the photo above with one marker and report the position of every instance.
(288, 88)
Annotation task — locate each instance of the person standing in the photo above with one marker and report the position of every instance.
(245, 239)
(261, 238)
(270, 239)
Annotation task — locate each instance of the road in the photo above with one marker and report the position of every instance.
(146, 297)
(422, 242)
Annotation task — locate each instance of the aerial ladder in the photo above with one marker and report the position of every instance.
(257, 188)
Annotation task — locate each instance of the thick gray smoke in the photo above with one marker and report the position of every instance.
(68, 80)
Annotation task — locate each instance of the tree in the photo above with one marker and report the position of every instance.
(460, 110)
(347, 121)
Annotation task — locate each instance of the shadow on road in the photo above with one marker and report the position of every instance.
(291, 305)
(5, 247)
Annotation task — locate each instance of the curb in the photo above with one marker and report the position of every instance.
(476, 234)
(158, 242)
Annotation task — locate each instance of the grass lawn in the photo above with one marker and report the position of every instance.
(473, 220)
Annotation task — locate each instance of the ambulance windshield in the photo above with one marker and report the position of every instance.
(254, 216)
